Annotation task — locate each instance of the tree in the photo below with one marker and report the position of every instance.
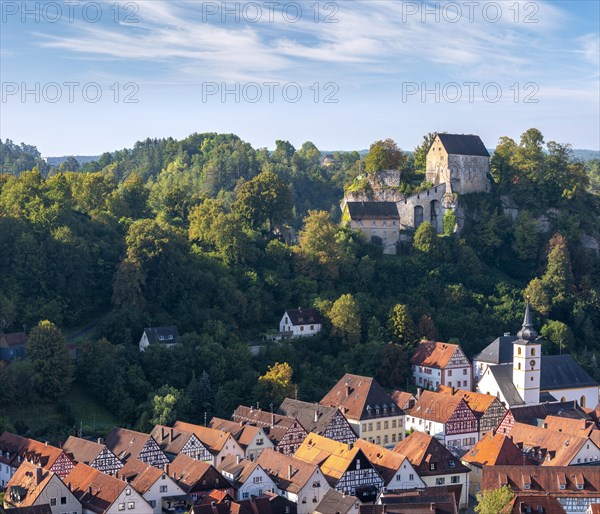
(421, 151)
(558, 278)
(537, 294)
(559, 334)
(345, 319)
(384, 155)
(526, 238)
(401, 325)
(276, 383)
(265, 198)
(163, 405)
(426, 240)
(449, 222)
(393, 367)
(492, 501)
(426, 328)
(52, 364)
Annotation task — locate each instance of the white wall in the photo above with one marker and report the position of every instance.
(55, 490)
(589, 453)
(257, 483)
(253, 450)
(231, 447)
(134, 503)
(435, 377)
(308, 493)
(6, 472)
(590, 393)
(405, 478)
(463, 478)
(155, 494)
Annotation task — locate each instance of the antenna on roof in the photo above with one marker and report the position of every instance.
(204, 418)
(295, 392)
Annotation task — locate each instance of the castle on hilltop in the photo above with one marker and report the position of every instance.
(457, 164)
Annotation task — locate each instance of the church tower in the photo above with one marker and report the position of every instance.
(527, 358)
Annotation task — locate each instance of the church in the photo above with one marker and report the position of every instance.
(514, 369)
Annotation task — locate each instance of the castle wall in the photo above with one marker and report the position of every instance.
(469, 173)
(428, 202)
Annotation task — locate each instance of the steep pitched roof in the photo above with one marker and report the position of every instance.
(557, 480)
(436, 407)
(579, 427)
(386, 462)
(479, 403)
(304, 316)
(242, 433)
(533, 503)
(373, 210)
(82, 450)
(534, 414)
(164, 335)
(359, 397)
(125, 443)
(335, 502)
(277, 466)
(499, 351)
(27, 485)
(33, 509)
(237, 470)
(95, 490)
(314, 417)
(188, 472)
(503, 375)
(554, 448)
(562, 372)
(428, 500)
(275, 426)
(403, 399)
(463, 144)
(29, 449)
(493, 450)
(170, 439)
(214, 440)
(433, 354)
(140, 475)
(422, 450)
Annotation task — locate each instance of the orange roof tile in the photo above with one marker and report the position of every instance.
(95, 490)
(436, 407)
(140, 475)
(495, 449)
(433, 354)
(26, 485)
(386, 462)
(213, 439)
(277, 466)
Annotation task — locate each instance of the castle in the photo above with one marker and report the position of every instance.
(457, 164)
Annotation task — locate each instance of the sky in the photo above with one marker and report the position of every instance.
(81, 78)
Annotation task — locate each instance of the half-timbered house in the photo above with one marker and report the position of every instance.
(536, 414)
(371, 412)
(248, 478)
(319, 419)
(127, 444)
(173, 442)
(220, 444)
(100, 493)
(345, 466)
(296, 480)
(448, 418)
(285, 432)
(435, 464)
(252, 439)
(15, 449)
(435, 364)
(96, 455)
(488, 409)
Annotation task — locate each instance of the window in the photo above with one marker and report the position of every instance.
(152, 503)
(449, 372)
(63, 500)
(385, 439)
(385, 425)
(432, 466)
(121, 506)
(440, 481)
(317, 484)
(393, 423)
(455, 480)
(52, 502)
(533, 352)
(128, 491)
(519, 351)
(464, 371)
(130, 505)
(163, 488)
(379, 425)
(411, 476)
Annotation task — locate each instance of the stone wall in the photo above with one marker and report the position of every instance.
(429, 205)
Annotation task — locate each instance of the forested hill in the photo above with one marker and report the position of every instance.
(219, 238)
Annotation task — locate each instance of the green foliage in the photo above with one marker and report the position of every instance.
(53, 369)
(420, 153)
(560, 335)
(276, 384)
(426, 240)
(385, 155)
(163, 406)
(449, 222)
(401, 326)
(492, 501)
(345, 319)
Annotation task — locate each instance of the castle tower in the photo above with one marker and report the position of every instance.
(527, 358)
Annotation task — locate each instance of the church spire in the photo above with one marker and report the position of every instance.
(527, 332)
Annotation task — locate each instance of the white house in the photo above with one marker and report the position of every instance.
(165, 336)
(220, 444)
(435, 364)
(298, 481)
(530, 378)
(248, 478)
(252, 439)
(155, 485)
(301, 322)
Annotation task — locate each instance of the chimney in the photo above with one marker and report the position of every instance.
(348, 391)
(316, 415)
(172, 434)
(166, 469)
(69, 486)
(100, 440)
(453, 390)
(290, 471)
(419, 391)
(432, 507)
(350, 446)
(238, 459)
(272, 420)
(38, 474)
(90, 490)
(45, 443)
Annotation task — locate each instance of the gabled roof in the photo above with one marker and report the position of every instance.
(545, 479)
(534, 414)
(125, 443)
(95, 490)
(548, 447)
(169, 439)
(314, 417)
(386, 462)
(403, 399)
(189, 472)
(562, 372)
(479, 403)
(428, 500)
(359, 398)
(277, 466)
(495, 449)
(332, 457)
(163, 335)
(373, 210)
(244, 434)
(82, 450)
(335, 502)
(534, 504)
(140, 475)
(433, 354)
(579, 427)
(503, 375)
(463, 144)
(239, 470)
(27, 485)
(304, 316)
(29, 449)
(436, 407)
(275, 426)
(422, 450)
(214, 440)
(499, 351)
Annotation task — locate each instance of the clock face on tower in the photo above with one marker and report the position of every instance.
(532, 364)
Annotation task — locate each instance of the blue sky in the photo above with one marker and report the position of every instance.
(387, 68)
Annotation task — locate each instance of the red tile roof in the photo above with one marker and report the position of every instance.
(433, 354)
(495, 449)
(95, 490)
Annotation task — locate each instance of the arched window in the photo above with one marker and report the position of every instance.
(563, 399)
(519, 365)
(582, 401)
(519, 351)
(418, 215)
